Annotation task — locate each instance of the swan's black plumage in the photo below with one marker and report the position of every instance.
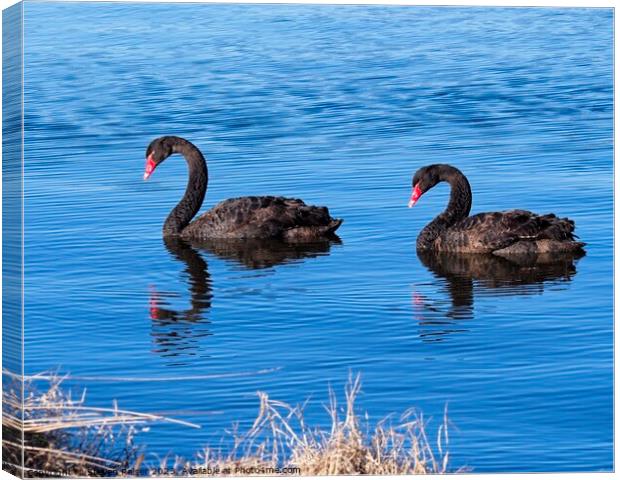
(287, 219)
(514, 232)
(263, 217)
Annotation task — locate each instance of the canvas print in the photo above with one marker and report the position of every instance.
(209, 263)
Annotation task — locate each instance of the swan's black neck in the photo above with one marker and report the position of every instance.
(458, 207)
(188, 207)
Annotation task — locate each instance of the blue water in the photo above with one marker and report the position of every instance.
(337, 105)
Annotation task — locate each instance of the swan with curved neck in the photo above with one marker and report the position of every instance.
(245, 217)
(501, 233)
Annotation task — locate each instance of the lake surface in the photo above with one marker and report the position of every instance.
(338, 105)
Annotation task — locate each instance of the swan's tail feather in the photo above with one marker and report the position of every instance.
(300, 234)
(544, 246)
(333, 226)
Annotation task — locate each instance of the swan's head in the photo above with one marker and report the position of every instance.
(423, 180)
(157, 151)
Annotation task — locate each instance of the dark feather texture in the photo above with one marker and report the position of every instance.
(281, 218)
(501, 233)
(263, 217)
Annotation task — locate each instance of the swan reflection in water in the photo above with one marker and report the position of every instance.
(177, 332)
(265, 253)
(467, 275)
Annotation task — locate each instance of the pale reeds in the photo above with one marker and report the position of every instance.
(280, 442)
(61, 435)
(50, 433)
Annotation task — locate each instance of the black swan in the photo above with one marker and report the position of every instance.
(515, 232)
(287, 219)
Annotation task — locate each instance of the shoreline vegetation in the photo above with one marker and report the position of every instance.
(64, 437)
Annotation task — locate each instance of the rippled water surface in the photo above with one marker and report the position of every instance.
(337, 105)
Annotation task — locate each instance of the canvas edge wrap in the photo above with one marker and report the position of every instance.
(12, 217)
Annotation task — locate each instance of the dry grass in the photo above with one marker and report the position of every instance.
(63, 435)
(280, 438)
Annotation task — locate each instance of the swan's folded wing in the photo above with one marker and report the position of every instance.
(262, 217)
(487, 232)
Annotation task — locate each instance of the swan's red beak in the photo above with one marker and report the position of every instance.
(415, 195)
(150, 166)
